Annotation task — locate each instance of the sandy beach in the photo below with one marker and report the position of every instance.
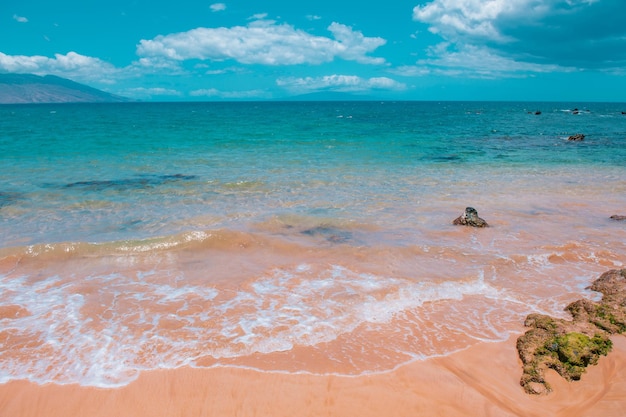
(479, 381)
(288, 259)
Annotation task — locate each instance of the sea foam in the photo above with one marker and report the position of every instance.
(104, 330)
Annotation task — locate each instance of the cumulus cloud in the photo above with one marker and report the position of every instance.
(213, 92)
(458, 18)
(411, 70)
(148, 93)
(473, 62)
(158, 65)
(258, 16)
(227, 70)
(353, 46)
(343, 83)
(491, 18)
(218, 7)
(540, 31)
(71, 65)
(153, 91)
(263, 42)
(20, 19)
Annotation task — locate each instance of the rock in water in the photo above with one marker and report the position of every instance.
(577, 137)
(470, 218)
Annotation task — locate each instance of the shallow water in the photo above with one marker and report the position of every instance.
(296, 237)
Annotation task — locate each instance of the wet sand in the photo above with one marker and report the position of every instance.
(480, 381)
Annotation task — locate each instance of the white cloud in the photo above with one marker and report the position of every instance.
(157, 65)
(258, 16)
(411, 70)
(218, 7)
(581, 33)
(157, 91)
(472, 61)
(344, 83)
(143, 93)
(228, 70)
(476, 18)
(71, 65)
(353, 45)
(213, 92)
(313, 17)
(20, 19)
(264, 42)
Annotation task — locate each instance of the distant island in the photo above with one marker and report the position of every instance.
(29, 88)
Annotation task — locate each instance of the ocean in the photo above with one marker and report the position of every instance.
(299, 237)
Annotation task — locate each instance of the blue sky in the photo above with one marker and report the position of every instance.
(558, 50)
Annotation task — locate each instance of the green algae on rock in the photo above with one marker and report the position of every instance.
(569, 346)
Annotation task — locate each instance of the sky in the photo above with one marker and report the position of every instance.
(193, 50)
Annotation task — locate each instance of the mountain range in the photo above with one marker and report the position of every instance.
(29, 88)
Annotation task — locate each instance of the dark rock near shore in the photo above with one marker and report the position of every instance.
(577, 137)
(332, 234)
(567, 346)
(470, 218)
(618, 217)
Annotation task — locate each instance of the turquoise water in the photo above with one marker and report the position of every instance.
(136, 170)
(139, 236)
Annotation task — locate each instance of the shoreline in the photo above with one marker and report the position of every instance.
(482, 380)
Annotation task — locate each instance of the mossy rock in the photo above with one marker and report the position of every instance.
(577, 349)
(569, 354)
(610, 319)
(541, 321)
(566, 346)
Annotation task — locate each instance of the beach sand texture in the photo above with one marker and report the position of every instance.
(480, 381)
